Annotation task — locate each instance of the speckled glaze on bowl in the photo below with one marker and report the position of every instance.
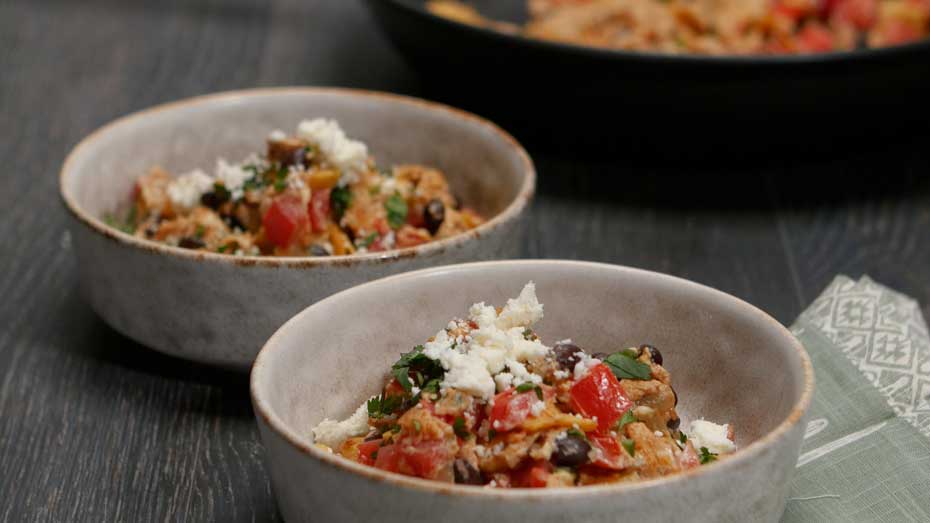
(219, 309)
(729, 362)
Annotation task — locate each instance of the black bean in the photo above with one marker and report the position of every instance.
(318, 250)
(654, 353)
(434, 214)
(232, 222)
(567, 355)
(213, 199)
(570, 451)
(673, 424)
(191, 242)
(466, 473)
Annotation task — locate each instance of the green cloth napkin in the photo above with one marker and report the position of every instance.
(866, 452)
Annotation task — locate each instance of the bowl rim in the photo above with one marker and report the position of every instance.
(734, 60)
(264, 411)
(511, 211)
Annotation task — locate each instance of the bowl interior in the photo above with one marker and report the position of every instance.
(729, 361)
(486, 170)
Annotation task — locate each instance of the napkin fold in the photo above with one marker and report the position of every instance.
(866, 451)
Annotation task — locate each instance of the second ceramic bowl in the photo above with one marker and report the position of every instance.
(728, 360)
(219, 309)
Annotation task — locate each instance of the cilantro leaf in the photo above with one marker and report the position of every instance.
(707, 456)
(626, 367)
(417, 362)
(627, 418)
(340, 199)
(575, 433)
(525, 387)
(459, 427)
(368, 240)
(396, 208)
(629, 445)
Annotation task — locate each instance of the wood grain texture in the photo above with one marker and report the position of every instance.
(94, 427)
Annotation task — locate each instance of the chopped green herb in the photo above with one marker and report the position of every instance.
(374, 190)
(629, 445)
(418, 362)
(527, 334)
(222, 248)
(379, 406)
(368, 240)
(431, 386)
(396, 208)
(539, 392)
(222, 194)
(682, 437)
(459, 427)
(340, 199)
(416, 426)
(707, 456)
(128, 225)
(627, 367)
(280, 179)
(525, 387)
(200, 231)
(575, 433)
(627, 418)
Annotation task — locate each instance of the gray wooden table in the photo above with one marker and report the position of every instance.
(94, 427)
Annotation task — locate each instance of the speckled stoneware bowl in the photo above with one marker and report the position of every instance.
(729, 362)
(218, 308)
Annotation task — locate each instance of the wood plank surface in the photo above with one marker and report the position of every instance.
(94, 427)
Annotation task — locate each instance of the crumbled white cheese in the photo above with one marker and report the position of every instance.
(185, 190)
(560, 374)
(537, 407)
(349, 156)
(232, 176)
(523, 311)
(477, 363)
(277, 135)
(333, 433)
(585, 364)
(658, 433)
(710, 435)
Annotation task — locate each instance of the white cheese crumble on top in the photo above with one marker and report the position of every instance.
(710, 435)
(277, 135)
(349, 156)
(492, 357)
(333, 433)
(185, 190)
(232, 176)
(585, 364)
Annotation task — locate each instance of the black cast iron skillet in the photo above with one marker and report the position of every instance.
(562, 94)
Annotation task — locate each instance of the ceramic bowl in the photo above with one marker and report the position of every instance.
(218, 308)
(729, 362)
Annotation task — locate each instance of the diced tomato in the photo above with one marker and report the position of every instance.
(859, 13)
(365, 451)
(319, 209)
(534, 474)
(599, 394)
(688, 459)
(794, 9)
(894, 32)
(408, 236)
(511, 408)
(612, 454)
(388, 458)
(382, 226)
(284, 219)
(425, 459)
(814, 38)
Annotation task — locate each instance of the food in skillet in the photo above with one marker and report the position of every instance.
(716, 26)
(485, 402)
(318, 193)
